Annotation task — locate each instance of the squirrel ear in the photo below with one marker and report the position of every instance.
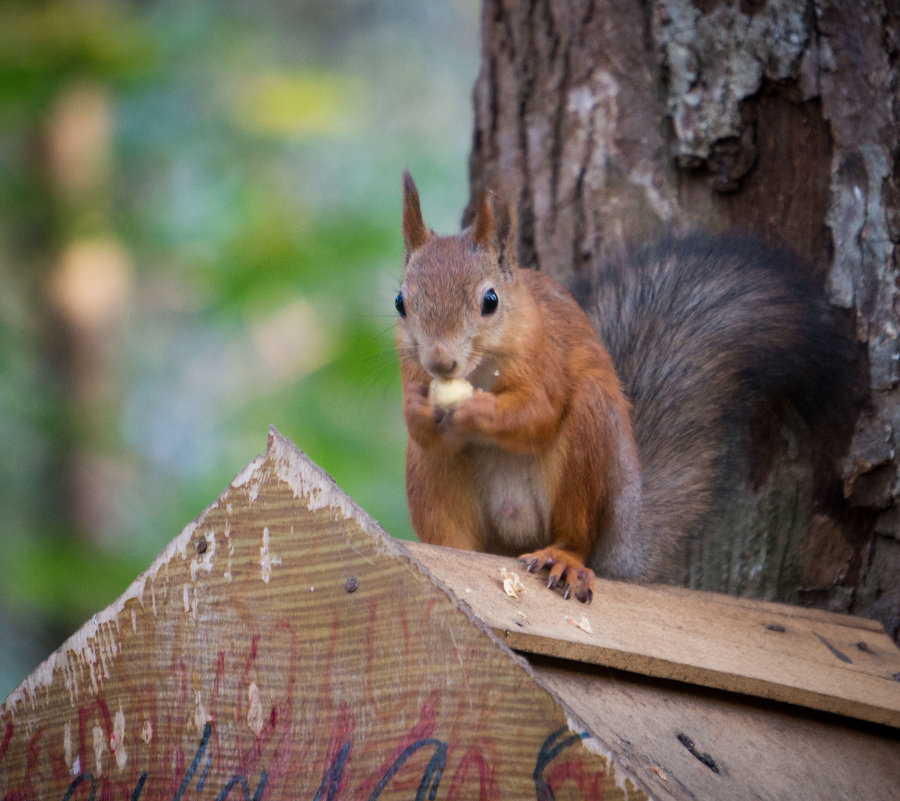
(415, 234)
(494, 227)
(483, 229)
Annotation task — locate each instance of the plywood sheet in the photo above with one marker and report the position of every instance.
(835, 663)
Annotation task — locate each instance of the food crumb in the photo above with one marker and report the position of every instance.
(512, 584)
(584, 624)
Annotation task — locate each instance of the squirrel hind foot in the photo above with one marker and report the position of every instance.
(565, 568)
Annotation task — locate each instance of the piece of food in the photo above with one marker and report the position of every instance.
(512, 584)
(449, 394)
(584, 624)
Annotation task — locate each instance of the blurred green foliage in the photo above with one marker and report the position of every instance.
(199, 236)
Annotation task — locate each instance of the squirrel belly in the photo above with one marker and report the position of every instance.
(513, 503)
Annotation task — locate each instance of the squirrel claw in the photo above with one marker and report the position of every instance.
(585, 596)
(531, 565)
(565, 567)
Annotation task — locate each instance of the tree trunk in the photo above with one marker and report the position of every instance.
(610, 122)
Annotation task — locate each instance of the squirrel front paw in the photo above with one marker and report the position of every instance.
(477, 414)
(566, 566)
(428, 423)
(421, 415)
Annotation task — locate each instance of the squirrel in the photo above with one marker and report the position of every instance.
(585, 444)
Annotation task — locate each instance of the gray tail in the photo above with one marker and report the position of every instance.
(712, 337)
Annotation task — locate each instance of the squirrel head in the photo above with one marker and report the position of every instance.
(458, 292)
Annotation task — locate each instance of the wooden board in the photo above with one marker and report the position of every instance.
(690, 742)
(284, 647)
(835, 663)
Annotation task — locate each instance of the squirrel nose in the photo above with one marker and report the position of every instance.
(441, 362)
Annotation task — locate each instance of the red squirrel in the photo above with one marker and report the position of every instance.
(539, 458)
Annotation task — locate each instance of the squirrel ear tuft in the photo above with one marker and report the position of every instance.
(495, 226)
(483, 233)
(415, 234)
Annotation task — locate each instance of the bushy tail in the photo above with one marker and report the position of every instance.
(709, 335)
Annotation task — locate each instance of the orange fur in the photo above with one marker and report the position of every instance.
(542, 457)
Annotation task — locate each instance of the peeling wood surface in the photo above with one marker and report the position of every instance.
(821, 660)
(283, 646)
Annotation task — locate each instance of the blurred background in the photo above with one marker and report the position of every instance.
(199, 236)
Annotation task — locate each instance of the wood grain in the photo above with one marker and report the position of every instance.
(834, 663)
(283, 646)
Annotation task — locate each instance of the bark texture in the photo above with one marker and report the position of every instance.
(607, 123)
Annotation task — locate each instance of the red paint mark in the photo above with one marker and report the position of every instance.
(21, 794)
(217, 681)
(147, 711)
(7, 736)
(177, 770)
(404, 623)
(277, 728)
(342, 728)
(423, 729)
(82, 736)
(249, 752)
(475, 759)
(85, 713)
(26, 791)
(589, 783)
(254, 650)
(425, 726)
(279, 769)
(34, 753)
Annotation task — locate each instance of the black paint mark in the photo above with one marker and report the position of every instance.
(834, 651)
(431, 778)
(245, 787)
(549, 751)
(139, 787)
(775, 627)
(237, 779)
(705, 758)
(332, 778)
(202, 546)
(864, 647)
(352, 584)
(83, 777)
(202, 781)
(201, 750)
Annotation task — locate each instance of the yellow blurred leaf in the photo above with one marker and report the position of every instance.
(291, 104)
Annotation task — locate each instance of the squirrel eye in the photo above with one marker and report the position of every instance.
(489, 302)
(400, 305)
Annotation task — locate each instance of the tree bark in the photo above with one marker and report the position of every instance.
(608, 123)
